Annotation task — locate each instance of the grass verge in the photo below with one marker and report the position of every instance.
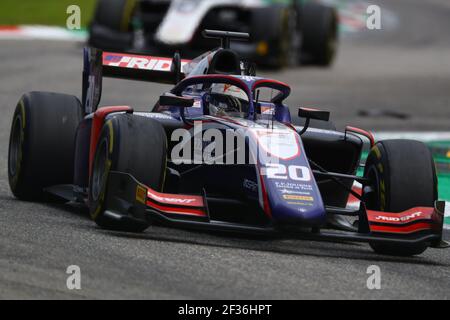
(44, 12)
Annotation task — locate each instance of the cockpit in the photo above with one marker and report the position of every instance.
(232, 96)
(220, 99)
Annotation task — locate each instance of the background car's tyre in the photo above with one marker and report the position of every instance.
(290, 43)
(319, 25)
(276, 29)
(130, 144)
(404, 177)
(112, 25)
(41, 145)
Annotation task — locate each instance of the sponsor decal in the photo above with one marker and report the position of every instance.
(408, 217)
(267, 110)
(141, 194)
(171, 200)
(142, 63)
(297, 197)
(155, 115)
(293, 186)
(138, 62)
(286, 191)
(250, 185)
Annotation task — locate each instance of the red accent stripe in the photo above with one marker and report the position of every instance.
(184, 211)
(158, 200)
(116, 54)
(265, 197)
(97, 125)
(310, 109)
(177, 199)
(229, 79)
(402, 229)
(9, 28)
(420, 213)
(362, 132)
(351, 198)
(270, 81)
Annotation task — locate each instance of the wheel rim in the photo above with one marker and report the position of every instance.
(99, 173)
(15, 146)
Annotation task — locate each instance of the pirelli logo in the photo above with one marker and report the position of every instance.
(297, 197)
(141, 194)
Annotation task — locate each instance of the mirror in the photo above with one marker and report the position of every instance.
(309, 113)
(175, 101)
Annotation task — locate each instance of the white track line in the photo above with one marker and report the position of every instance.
(425, 136)
(37, 32)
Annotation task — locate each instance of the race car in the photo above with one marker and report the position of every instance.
(220, 151)
(284, 33)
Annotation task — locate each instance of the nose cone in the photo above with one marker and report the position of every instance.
(295, 202)
(288, 208)
(289, 187)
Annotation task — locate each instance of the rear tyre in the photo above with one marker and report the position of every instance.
(131, 144)
(404, 176)
(320, 34)
(111, 28)
(41, 145)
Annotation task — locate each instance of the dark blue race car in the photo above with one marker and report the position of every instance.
(221, 151)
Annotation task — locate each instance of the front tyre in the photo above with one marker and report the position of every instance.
(131, 144)
(404, 176)
(41, 144)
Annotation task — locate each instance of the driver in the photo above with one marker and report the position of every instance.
(226, 99)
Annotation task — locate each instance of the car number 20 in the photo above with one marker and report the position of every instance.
(282, 172)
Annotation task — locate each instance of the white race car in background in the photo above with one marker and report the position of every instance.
(284, 33)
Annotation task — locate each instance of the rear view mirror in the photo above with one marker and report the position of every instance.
(175, 101)
(313, 114)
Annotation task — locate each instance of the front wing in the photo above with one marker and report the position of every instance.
(129, 200)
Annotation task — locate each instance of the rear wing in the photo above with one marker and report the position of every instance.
(99, 64)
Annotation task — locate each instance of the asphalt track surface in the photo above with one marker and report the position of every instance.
(406, 68)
